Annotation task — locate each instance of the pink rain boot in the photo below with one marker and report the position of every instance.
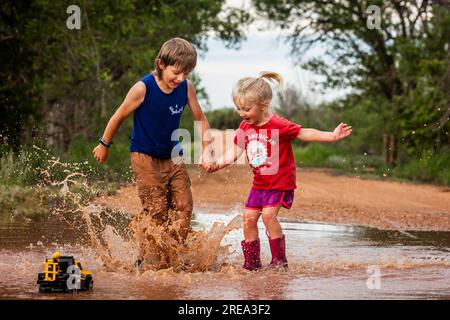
(251, 254)
(278, 249)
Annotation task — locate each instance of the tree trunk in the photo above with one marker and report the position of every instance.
(389, 149)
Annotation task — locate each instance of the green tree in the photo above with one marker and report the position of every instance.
(401, 65)
(68, 82)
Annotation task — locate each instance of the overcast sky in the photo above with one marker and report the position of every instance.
(222, 67)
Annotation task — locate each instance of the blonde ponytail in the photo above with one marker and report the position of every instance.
(256, 90)
(272, 77)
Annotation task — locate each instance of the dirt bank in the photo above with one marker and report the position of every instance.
(321, 197)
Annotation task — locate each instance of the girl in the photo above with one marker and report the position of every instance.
(267, 138)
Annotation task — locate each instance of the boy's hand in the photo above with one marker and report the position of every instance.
(100, 153)
(207, 163)
(205, 158)
(342, 130)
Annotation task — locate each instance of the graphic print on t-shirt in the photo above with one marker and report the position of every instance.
(262, 148)
(256, 153)
(175, 109)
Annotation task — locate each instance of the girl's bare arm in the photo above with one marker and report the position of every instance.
(313, 135)
(230, 156)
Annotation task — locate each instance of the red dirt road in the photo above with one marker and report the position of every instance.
(320, 197)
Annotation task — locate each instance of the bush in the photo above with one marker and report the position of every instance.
(327, 156)
(23, 169)
(313, 155)
(116, 169)
(430, 167)
(31, 180)
(24, 203)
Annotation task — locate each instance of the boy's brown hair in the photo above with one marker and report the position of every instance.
(177, 52)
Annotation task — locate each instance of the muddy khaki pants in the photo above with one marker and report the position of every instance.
(162, 185)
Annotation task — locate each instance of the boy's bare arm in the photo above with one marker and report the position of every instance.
(199, 116)
(313, 135)
(131, 102)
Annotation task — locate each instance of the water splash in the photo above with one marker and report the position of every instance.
(113, 240)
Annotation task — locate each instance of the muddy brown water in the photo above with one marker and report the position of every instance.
(325, 262)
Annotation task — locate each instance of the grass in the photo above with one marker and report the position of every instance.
(429, 167)
(116, 169)
(30, 181)
(18, 202)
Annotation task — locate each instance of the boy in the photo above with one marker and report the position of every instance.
(157, 101)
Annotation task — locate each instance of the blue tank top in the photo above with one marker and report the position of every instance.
(156, 119)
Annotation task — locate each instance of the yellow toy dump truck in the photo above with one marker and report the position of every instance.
(64, 273)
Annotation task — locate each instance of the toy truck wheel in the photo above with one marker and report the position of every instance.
(89, 283)
(43, 289)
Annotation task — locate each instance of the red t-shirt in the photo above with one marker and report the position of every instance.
(269, 152)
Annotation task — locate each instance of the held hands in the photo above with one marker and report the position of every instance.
(342, 130)
(207, 163)
(213, 167)
(100, 153)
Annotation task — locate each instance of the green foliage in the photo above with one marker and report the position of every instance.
(328, 156)
(430, 167)
(367, 122)
(62, 85)
(67, 82)
(187, 122)
(25, 168)
(34, 182)
(222, 119)
(313, 155)
(116, 169)
(36, 167)
(22, 203)
(400, 72)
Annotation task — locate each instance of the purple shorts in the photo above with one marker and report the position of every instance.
(258, 199)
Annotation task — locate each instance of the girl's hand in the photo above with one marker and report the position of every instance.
(213, 167)
(210, 167)
(100, 153)
(342, 130)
